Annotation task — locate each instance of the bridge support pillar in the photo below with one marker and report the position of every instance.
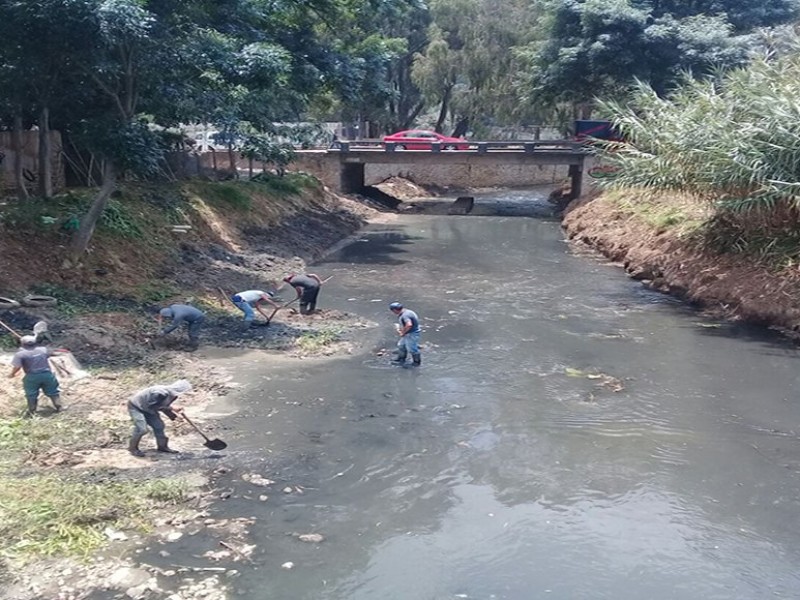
(576, 181)
(351, 178)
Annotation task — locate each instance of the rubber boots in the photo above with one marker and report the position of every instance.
(401, 357)
(417, 358)
(162, 445)
(32, 404)
(56, 400)
(133, 447)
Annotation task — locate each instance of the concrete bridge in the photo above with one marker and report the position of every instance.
(344, 167)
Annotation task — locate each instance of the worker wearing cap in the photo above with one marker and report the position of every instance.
(408, 330)
(252, 299)
(34, 361)
(144, 408)
(307, 289)
(179, 314)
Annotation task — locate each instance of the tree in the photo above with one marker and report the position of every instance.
(596, 48)
(470, 65)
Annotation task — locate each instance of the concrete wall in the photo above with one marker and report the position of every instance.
(469, 176)
(30, 161)
(479, 175)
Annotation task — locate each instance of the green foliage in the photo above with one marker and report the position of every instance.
(49, 515)
(230, 194)
(596, 48)
(59, 212)
(8, 342)
(312, 342)
(290, 184)
(734, 140)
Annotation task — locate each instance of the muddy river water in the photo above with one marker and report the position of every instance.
(570, 435)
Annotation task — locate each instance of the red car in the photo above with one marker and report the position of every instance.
(420, 139)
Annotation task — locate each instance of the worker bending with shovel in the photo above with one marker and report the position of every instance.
(307, 289)
(253, 299)
(180, 314)
(145, 407)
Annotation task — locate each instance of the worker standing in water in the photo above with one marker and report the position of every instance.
(408, 330)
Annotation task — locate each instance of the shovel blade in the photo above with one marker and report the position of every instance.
(216, 445)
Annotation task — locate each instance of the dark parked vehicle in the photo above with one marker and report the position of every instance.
(601, 130)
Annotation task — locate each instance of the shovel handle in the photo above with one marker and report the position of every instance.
(284, 305)
(11, 330)
(195, 427)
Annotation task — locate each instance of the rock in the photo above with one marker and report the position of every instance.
(287, 490)
(287, 565)
(263, 497)
(173, 536)
(114, 535)
(128, 577)
(313, 538)
(257, 479)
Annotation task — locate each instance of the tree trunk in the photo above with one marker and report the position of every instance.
(461, 127)
(443, 110)
(232, 162)
(82, 237)
(45, 155)
(16, 147)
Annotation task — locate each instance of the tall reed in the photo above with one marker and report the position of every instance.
(733, 140)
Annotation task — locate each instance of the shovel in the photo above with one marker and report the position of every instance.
(280, 307)
(212, 444)
(18, 336)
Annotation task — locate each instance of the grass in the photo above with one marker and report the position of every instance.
(291, 184)
(228, 194)
(56, 513)
(48, 515)
(662, 212)
(62, 214)
(314, 341)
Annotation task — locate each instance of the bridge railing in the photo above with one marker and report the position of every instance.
(528, 147)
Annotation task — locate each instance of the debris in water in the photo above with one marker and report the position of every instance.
(287, 565)
(257, 479)
(574, 372)
(312, 538)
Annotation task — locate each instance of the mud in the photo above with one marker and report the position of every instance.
(734, 287)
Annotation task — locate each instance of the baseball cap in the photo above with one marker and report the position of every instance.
(395, 305)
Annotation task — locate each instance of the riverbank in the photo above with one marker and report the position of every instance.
(675, 245)
(68, 486)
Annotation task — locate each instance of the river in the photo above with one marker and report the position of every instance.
(570, 435)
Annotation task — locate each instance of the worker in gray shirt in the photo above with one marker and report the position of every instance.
(33, 360)
(145, 407)
(179, 314)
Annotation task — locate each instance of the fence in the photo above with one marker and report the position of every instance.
(30, 161)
